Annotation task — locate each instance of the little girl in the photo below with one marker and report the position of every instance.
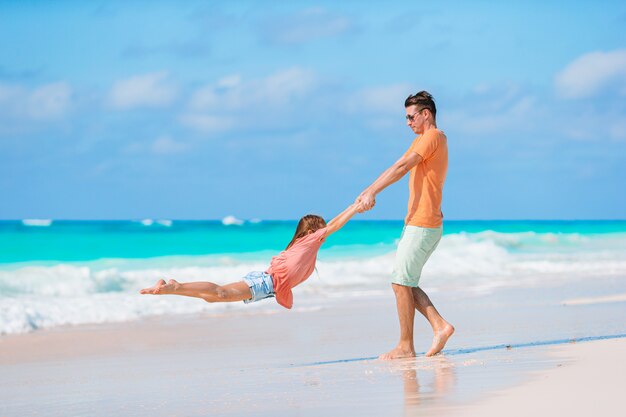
(290, 268)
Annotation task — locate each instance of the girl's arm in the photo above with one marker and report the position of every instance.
(391, 175)
(339, 221)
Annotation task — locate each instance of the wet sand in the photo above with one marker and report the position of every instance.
(317, 360)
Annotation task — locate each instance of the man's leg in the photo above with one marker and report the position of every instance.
(442, 329)
(405, 304)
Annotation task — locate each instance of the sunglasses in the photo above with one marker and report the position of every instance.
(411, 117)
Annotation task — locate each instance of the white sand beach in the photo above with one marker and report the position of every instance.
(583, 379)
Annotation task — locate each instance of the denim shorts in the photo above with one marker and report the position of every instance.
(415, 247)
(261, 286)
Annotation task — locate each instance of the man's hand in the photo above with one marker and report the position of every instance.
(366, 201)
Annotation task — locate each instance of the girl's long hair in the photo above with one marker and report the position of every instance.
(307, 224)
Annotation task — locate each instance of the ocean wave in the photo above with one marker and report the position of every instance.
(37, 222)
(461, 258)
(151, 222)
(26, 314)
(232, 220)
(107, 290)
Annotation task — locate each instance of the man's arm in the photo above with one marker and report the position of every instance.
(388, 177)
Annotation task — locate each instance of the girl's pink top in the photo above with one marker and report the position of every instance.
(295, 265)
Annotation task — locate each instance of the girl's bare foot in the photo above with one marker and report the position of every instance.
(440, 339)
(155, 289)
(169, 288)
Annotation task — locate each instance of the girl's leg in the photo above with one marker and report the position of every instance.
(208, 291)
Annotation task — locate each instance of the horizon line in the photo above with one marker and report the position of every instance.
(296, 219)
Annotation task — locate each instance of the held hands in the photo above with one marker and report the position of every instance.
(366, 201)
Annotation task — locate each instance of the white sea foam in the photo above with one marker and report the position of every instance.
(166, 223)
(37, 222)
(25, 314)
(106, 290)
(147, 222)
(231, 220)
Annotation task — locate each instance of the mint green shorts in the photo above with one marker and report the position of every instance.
(415, 247)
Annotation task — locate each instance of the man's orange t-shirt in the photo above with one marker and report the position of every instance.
(427, 179)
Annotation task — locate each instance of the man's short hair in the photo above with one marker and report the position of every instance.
(424, 100)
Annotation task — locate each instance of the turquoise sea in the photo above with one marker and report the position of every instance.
(59, 272)
(69, 241)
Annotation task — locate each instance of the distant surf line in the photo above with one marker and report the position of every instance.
(464, 351)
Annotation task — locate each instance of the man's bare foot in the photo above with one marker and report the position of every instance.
(398, 353)
(439, 339)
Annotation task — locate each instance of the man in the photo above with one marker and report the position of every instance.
(427, 160)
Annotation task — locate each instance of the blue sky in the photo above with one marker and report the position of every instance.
(199, 110)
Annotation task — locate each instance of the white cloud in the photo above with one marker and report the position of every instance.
(191, 48)
(618, 130)
(382, 106)
(548, 120)
(25, 109)
(283, 86)
(383, 100)
(215, 107)
(497, 97)
(49, 101)
(166, 145)
(230, 81)
(146, 90)
(206, 123)
(231, 93)
(11, 101)
(163, 145)
(493, 109)
(593, 126)
(305, 26)
(592, 73)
